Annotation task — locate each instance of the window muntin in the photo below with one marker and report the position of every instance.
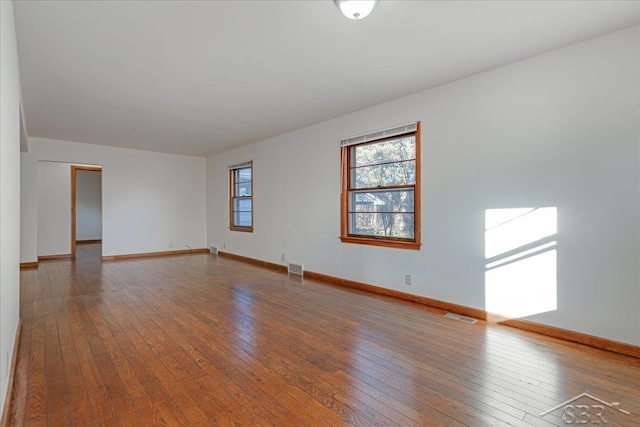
(241, 206)
(380, 203)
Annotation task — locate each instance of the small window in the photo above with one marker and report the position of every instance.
(241, 201)
(381, 190)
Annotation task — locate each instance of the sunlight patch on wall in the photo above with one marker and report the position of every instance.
(508, 229)
(521, 256)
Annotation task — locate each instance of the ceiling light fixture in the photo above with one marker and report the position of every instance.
(356, 9)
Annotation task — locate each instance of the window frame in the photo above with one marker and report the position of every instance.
(233, 197)
(347, 189)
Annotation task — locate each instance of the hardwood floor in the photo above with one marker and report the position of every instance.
(198, 341)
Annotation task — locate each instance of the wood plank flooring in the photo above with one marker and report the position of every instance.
(200, 341)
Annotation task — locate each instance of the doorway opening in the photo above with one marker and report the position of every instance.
(86, 206)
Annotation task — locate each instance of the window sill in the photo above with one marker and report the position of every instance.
(243, 229)
(398, 244)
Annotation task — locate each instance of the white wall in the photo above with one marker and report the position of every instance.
(88, 205)
(9, 191)
(557, 130)
(28, 208)
(54, 208)
(151, 202)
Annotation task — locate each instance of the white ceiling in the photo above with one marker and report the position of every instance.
(201, 77)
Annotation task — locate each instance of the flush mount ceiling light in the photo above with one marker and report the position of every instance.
(356, 9)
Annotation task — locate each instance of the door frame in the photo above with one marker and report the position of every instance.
(74, 169)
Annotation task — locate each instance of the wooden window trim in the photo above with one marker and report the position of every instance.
(232, 198)
(390, 242)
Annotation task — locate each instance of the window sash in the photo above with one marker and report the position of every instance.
(396, 217)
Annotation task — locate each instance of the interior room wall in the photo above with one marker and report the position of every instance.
(28, 208)
(558, 130)
(9, 192)
(54, 208)
(151, 202)
(88, 205)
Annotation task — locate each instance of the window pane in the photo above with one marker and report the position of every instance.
(244, 174)
(400, 225)
(382, 201)
(243, 205)
(394, 150)
(242, 219)
(243, 188)
(384, 175)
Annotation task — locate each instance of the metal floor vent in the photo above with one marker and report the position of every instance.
(213, 250)
(460, 318)
(295, 268)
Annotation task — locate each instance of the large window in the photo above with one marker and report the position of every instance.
(241, 200)
(381, 188)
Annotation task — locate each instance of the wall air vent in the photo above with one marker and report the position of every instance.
(295, 269)
(460, 318)
(213, 250)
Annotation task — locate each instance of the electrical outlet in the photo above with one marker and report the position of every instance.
(170, 244)
(283, 257)
(224, 246)
(407, 279)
